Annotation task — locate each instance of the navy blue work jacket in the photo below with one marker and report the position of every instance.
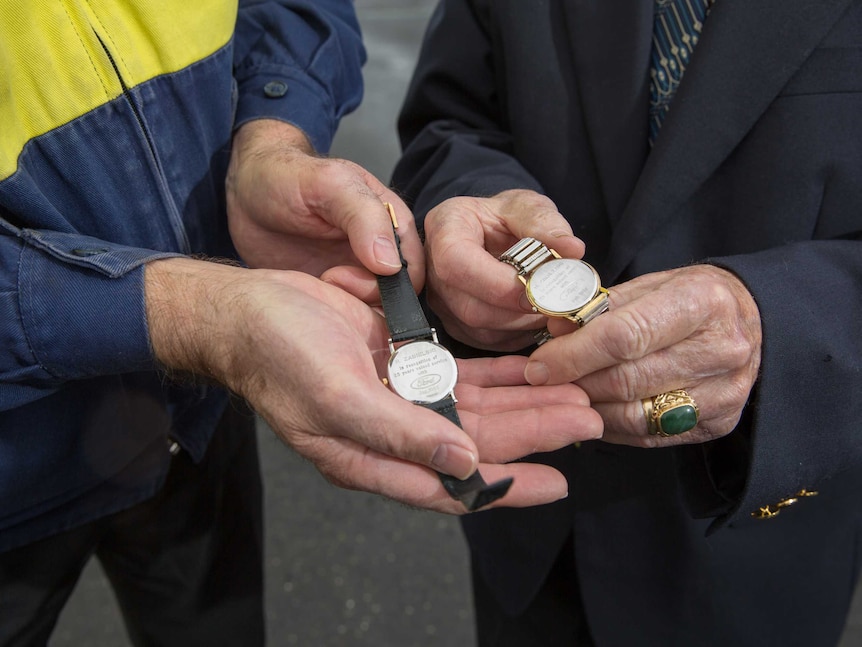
(115, 126)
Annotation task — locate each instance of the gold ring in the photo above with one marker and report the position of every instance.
(671, 413)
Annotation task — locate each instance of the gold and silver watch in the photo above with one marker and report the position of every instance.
(557, 287)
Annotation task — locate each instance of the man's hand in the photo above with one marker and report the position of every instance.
(696, 328)
(291, 209)
(307, 356)
(478, 298)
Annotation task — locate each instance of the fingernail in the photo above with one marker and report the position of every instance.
(454, 460)
(524, 303)
(386, 253)
(536, 373)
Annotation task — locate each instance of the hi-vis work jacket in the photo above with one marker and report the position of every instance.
(116, 119)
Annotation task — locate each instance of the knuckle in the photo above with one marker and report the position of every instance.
(650, 442)
(712, 290)
(471, 313)
(328, 172)
(520, 201)
(434, 218)
(630, 335)
(445, 271)
(624, 382)
(739, 351)
(737, 391)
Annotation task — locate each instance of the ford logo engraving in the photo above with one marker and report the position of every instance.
(425, 382)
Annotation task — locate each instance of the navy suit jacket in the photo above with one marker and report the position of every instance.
(757, 168)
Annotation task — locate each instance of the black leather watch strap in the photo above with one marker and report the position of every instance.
(404, 316)
(407, 321)
(473, 491)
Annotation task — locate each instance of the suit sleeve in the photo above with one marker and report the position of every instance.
(801, 426)
(804, 413)
(452, 124)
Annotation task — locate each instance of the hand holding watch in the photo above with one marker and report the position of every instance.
(557, 287)
(423, 371)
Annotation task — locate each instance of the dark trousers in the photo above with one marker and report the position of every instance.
(186, 566)
(555, 617)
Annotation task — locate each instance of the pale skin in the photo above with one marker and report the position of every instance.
(291, 209)
(695, 327)
(306, 355)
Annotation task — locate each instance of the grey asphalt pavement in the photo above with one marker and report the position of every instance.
(346, 568)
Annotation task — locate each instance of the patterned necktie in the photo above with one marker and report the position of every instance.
(675, 33)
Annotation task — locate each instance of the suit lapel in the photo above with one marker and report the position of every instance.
(611, 49)
(747, 53)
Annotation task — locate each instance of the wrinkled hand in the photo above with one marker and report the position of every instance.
(479, 299)
(291, 209)
(696, 328)
(307, 357)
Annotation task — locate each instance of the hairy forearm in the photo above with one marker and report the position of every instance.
(269, 132)
(191, 307)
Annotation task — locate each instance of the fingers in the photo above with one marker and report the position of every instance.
(479, 298)
(313, 390)
(695, 328)
(472, 291)
(411, 246)
(353, 200)
(507, 370)
(512, 420)
(510, 435)
(355, 280)
(683, 364)
(625, 422)
(354, 468)
(368, 414)
(506, 419)
(619, 336)
(647, 315)
(515, 334)
(397, 457)
(331, 210)
(527, 213)
(459, 260)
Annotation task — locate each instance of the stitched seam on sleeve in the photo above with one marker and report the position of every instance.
(27, 294)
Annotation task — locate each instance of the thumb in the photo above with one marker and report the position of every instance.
(356, 204)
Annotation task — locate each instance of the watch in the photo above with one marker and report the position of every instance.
(422, 370)
(557, 287)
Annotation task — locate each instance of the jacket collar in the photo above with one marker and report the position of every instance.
(746, 54)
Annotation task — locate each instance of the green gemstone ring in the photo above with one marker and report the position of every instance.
(671, 413)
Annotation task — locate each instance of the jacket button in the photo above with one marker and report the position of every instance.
(275, 89)
(173, 447)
